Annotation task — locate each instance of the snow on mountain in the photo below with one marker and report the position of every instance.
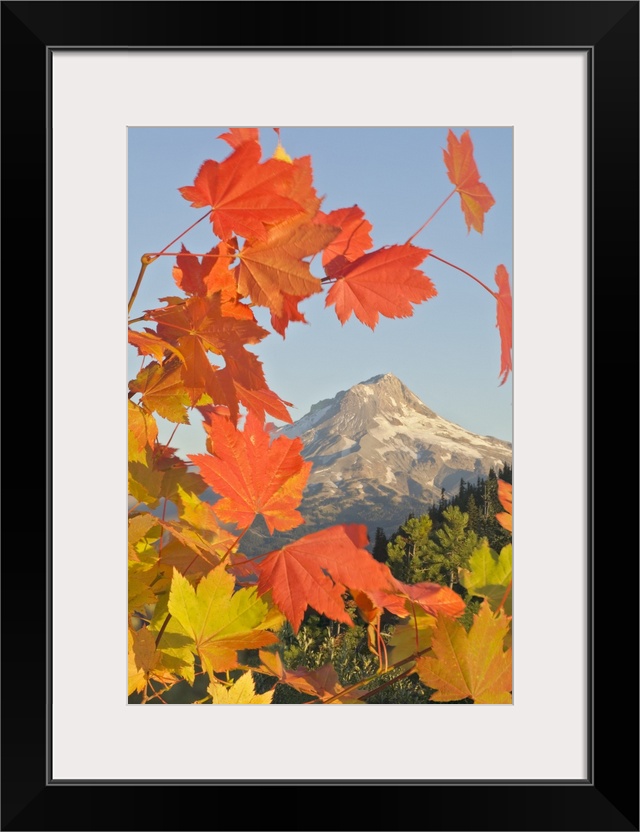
(379, 453)
(380, 432)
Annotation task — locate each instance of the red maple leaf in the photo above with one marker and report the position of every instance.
(383, 282)
(316, 570)
(475, 197)
(504, 320)
(253, 476)
(245, 196)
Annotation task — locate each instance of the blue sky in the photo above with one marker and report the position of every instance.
(448, 353)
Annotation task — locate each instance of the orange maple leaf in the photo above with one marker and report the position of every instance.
(299, 187)
(398, 598)
(162, 390)
(383, 282)
(352, 241)
(505, 495)
(475, 197)
(432, 598)
(322, 683)
(242, 380)
(472, 664)
(504, 321)
(207, 276)
(253, 476)
(199, 325)
(316, 570)
(142, 427)
(273, 267)
(148, 343)
(193, 552)
(239, 135)
(273, 271)
(243, 194)
(261, 401)
(289, 312)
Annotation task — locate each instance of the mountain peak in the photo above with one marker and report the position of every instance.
(381, 377)
(379, 453)
(386, 395)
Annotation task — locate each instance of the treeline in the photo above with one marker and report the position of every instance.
(433, 546)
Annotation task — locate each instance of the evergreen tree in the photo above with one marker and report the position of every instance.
(461, 498)
(380, 545)
(409, 550)
(489, 526)
(474, 514)
(507, 473)
(454, 546)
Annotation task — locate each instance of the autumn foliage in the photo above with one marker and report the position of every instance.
(197, 605)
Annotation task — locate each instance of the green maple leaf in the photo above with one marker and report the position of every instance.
(490, 575)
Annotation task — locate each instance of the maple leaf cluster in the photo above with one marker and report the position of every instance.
(198, 601)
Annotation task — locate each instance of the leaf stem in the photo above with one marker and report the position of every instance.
(234, 544)
(424, 225)
(371, 678)
(504, 598)
(387, 683)
(186, 253)
(163, 628)
(415, 625)
(147, 259)
(164, 511)
(222, 559)
(464, 271)
(186, 231)
(168, 442)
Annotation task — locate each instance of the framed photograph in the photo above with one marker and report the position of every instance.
(390, 431)
(557, 76)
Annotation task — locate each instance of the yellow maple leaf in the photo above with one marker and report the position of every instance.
(242, 692)
(219, 620)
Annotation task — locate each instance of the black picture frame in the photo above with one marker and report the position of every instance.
(608, 798)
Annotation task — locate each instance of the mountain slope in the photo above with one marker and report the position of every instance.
(378, 454)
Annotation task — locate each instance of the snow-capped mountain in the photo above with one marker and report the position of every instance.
(379, 453)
